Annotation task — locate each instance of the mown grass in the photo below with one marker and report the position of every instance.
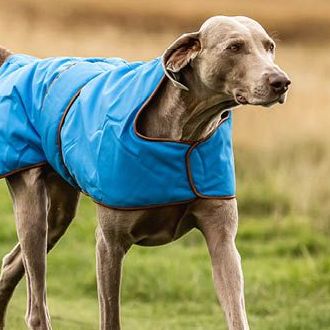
(285, 258)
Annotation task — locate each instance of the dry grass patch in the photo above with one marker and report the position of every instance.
(295, 19)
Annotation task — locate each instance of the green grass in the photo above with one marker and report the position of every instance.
(285, 259)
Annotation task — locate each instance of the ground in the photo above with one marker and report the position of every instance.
(282, 161)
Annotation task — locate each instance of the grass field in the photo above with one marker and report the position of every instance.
(286, 264)
(282, 160)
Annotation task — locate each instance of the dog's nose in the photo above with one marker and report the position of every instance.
(279, 83)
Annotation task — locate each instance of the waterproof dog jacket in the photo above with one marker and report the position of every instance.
(79, 115)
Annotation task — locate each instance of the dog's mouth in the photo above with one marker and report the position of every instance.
(241, 99)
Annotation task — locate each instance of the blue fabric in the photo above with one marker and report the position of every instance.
(79, 116)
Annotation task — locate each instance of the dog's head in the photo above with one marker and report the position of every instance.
(229, 56)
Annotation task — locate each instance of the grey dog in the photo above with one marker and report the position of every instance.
(228, 62)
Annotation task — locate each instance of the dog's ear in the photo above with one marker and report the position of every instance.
(180, 54)
(182, 51)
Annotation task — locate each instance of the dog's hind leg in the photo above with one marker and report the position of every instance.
(62, 207)
(218, 222)
(11, 273)
(28, 191)
(62, 202)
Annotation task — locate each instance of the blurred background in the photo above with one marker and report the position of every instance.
(282, 160)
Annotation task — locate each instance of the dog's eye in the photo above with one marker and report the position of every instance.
(235, 47)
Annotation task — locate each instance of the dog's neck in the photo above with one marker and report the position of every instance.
(177, 114)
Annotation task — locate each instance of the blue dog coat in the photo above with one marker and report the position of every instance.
(79, 115)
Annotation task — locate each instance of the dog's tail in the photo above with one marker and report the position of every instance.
(4, 53)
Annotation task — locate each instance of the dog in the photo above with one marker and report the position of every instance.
(204, 75)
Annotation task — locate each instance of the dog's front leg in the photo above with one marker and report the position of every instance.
(111, 246)
(218, 222)
(30, 202)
